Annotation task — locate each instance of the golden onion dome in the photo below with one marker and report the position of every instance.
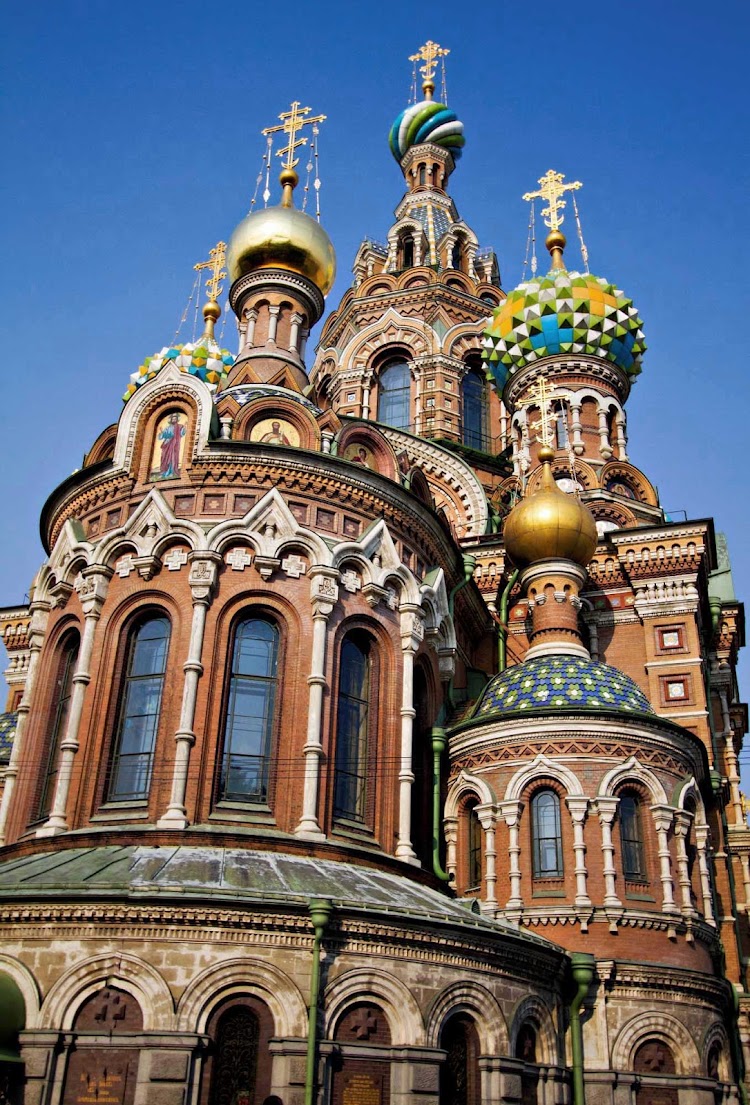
(550, 524)
(282, 238)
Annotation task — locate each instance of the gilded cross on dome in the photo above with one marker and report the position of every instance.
(550, 190)
(540, 396)
(215, 262)
(430, 54)
(292, 122)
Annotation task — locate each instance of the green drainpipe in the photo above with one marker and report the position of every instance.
(438, 731)
(502, 628)
(320, 914)
(582, 969)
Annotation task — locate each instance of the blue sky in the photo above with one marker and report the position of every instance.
(132, 145)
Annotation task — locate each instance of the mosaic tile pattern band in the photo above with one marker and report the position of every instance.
(563, 312)
(203, 358)
(8, 723)
(561, 683)
(427, 121)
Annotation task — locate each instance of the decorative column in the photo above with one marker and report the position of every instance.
(324, 594)
(578, 809)
(622, 438)
(511, 812)
(412, 635)
(701, 843)
(273, 322)
(662, 820)
(576, 427)
(682, 821)
(486, 815)
(92, 593)
(202, 580)
(39, 615)
(251, 315)
(606, 808)
(303, 344)
(296, 319)
(450, 829)
(366, 388)
(730, 755)
(604, 446)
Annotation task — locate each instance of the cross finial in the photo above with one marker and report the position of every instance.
(430, 53)
(540, 395)
(291, 123)
(550, 190)
(215, 262)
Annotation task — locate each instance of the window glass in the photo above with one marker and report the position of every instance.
(475, 415)
(475, 847)
(250, 712)
(130, 777)
(394, 394)
(350, 792)
(631, 838)
(545, 828)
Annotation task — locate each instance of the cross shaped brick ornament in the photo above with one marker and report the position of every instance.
(364, 1024)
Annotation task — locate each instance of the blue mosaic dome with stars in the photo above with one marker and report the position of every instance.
(553, 683)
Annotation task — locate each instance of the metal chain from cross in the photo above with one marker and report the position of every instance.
(430, 53)
(215, 262)
(291, 123)
(551, 189)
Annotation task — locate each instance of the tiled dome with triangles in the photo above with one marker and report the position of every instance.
(203, 358)
(563, 312)
(556, 683)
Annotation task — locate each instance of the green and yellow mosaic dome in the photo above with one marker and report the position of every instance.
(563, 312)
(203, 358)
(551, 684)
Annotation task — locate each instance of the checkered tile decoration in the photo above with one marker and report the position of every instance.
(8, 724)
(561, 683)
(563, 312)
(203, 358)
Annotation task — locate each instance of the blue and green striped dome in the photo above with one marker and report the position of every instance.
(558, 683)
(427, 121)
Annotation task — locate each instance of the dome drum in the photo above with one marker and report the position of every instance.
(296, 284)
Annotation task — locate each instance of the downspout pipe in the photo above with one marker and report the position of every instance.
(502, 627)
(439, 739)
(582, 968)
(320, 913)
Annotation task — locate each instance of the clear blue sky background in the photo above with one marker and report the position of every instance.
(131, 135)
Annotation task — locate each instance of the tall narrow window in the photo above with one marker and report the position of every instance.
(474, 850)
(631, 837)
(407, 252)
(545, 834)
(394, 396)
(474, 410)
(456, 254)
(146, 662)
(350, 790)
(561, 428)
(58, 717)
(250, 712)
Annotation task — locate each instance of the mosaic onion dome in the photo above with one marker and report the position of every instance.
(282, 238)
(561, 683)
(563, 312)
(549, 523)
(204, 358)
(427, 121)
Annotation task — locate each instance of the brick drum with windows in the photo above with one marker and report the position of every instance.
(372, 733)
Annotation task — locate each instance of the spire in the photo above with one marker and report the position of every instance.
(292, 122)
(215, 262)
(551, 188)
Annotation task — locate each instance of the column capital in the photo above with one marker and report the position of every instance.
(606, 808)
(511, 811)
(578, 807)
(92, 587)
(204, 568)
(663, 816)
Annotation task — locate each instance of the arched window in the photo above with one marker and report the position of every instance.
(407, 251)
(473, 845)
(422, 174)
(251, 700)
(459, 1074)
(58, 717)
(352, 730)
(473, 394)
(545, 835)
(526, 1051)
(394, 396)
(140, 706)
(561, 428)
(456, 254)
(236, 1067)
(631, 837)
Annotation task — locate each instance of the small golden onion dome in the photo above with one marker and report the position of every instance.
(550, 524)
(282, 238)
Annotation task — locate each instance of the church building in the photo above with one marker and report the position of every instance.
(372, 732)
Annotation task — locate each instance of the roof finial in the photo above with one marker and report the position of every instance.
(215, 262)
(291, 123)
(551, 189)
(429, 54)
